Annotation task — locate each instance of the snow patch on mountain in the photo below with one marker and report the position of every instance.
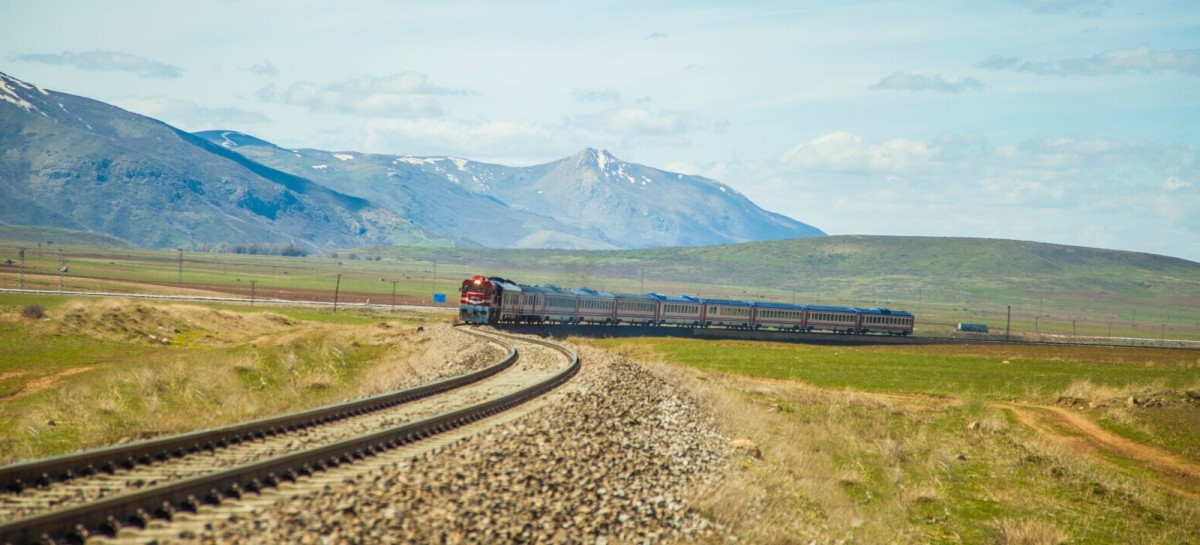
(343, 156)
(8, 94)
(226, 141)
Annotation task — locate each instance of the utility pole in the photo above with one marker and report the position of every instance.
(22, 274)
(252, 283)
(1073, 331)
(62, 270)
(336, 289)
(394, 293)
(1008, 325)
(433, 285)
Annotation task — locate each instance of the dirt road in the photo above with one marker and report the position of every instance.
(1077, 431)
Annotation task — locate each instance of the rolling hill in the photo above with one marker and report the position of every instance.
(864, 270)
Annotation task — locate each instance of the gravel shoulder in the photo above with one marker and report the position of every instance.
(610, 459)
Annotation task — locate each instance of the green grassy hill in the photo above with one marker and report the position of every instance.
(850, 265)
(52, 235)
(1052, 288)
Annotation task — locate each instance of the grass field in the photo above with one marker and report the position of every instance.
(989, 372)
(95, 372)
(928, 444)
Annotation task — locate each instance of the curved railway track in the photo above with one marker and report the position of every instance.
(70, 498)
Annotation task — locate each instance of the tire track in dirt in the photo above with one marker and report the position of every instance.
(42, 383)
(1177, 475)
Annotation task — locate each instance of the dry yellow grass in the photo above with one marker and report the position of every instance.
(1024, 532)
(852, 467)
(216, 367)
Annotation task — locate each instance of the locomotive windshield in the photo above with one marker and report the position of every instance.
(478, 284)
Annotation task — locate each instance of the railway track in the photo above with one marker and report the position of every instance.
(95, 493)
(837, 339)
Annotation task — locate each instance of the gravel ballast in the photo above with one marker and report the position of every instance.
(609, 461)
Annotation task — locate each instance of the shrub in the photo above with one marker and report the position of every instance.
(34, 311)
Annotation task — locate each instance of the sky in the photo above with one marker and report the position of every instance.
(1063, 121)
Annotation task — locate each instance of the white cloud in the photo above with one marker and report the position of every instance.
(588, 95)
(1087, 191)
(407, 94)
(1174, 184)
(633, 121)
(430, 136)
(848, 153)
(264, 68)
(107, 61)
(903, 81)
(1118, 61)
(188, 115)
(1078, 7)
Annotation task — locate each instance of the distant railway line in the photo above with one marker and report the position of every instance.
(828, 338)
(98, 492)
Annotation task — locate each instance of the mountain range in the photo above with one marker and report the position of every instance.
(76, 163)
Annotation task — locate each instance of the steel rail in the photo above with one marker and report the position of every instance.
(108, 515)
(43, 472)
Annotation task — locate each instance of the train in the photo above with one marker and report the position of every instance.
(494, 300)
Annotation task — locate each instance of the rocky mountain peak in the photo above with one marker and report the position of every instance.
(600, 159)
